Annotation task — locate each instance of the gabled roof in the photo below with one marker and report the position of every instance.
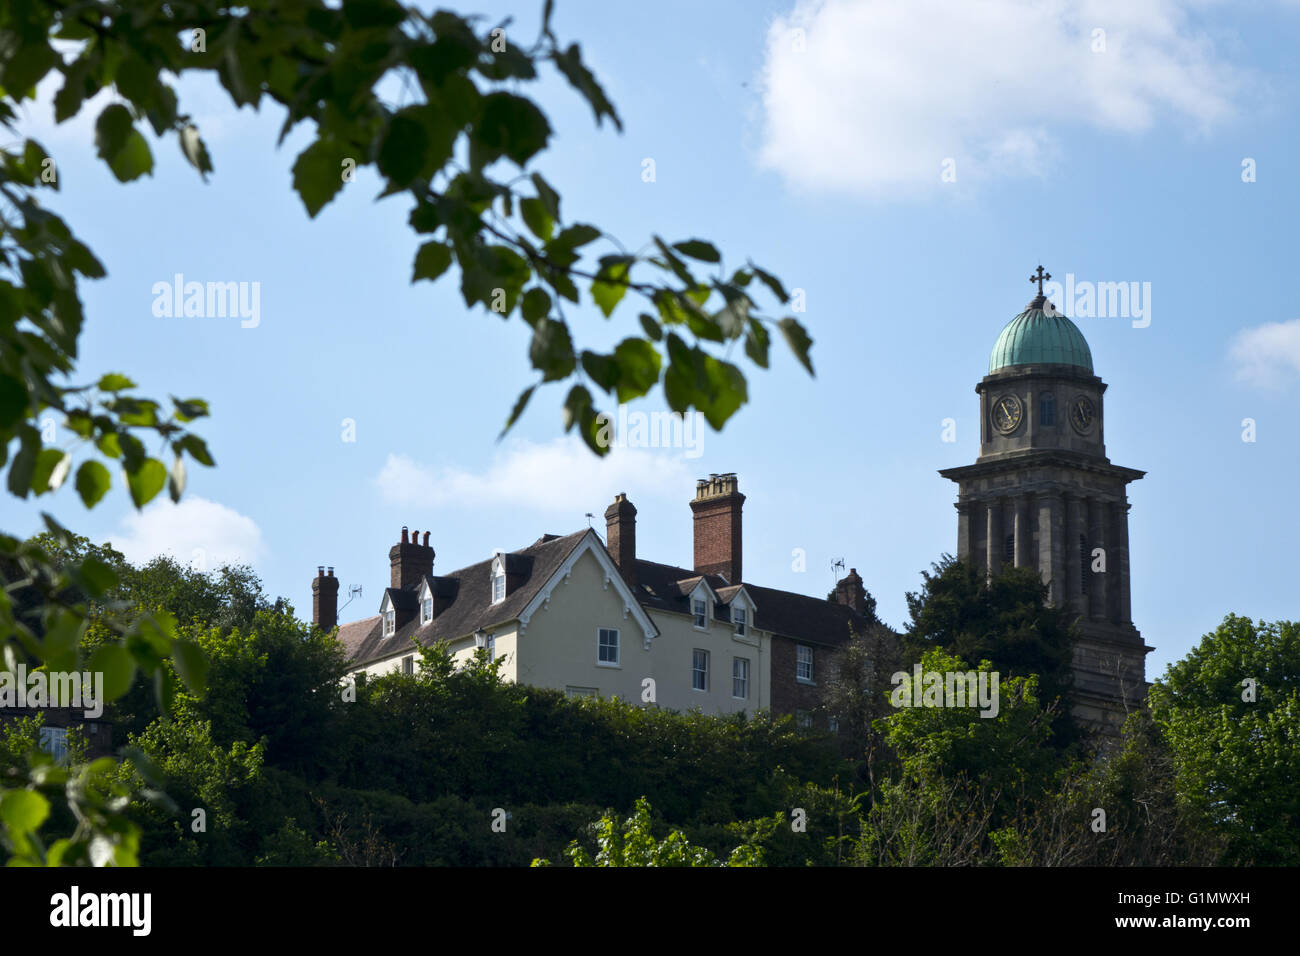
(797, 616)
(471, 607)
(662, 587)
(400, 600)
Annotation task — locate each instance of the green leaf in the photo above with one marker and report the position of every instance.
(198, 449)
(757, 342)
(93, 481)
(190, 408)
(431, 261)
(23, 468)
(772, 282)
(191, 664)
(121, 145)
(98, 577)
(48, 460)
(549, 197)
(581, 79)
(114, 382)
(724, 392)
(563, 249)
(652, 328)
(578, 410)
(610, 284)
(551, 350)
(164, 689)
(318, 174)
(798, 340)
(638, 368)
(31, 61)
(146, 481)
(405, 145)
(536, 305)
(698, 249)
(13, 401)
(537, 217)
(520, 404)
(602, 369)
(511, 126)
(23, 811)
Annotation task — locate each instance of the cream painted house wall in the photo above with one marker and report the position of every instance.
(461, 649)
(679, 638)
(558, 646)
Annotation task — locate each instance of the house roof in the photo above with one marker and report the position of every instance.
(662, 587)
(785, 613)
(471, 608)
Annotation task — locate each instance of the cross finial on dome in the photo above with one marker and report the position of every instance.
(1040, 278)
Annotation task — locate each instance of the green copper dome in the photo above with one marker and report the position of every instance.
(1037, 337)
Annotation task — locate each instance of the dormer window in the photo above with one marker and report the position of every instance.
(426, 610)
(700, 609)
(738, 618)
(498, 580)
(390, 622)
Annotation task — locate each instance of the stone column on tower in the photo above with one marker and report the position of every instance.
(1123, 603)
(1097, 581)
(993, 545)
(1024, 533)
(1051, 556)
(964, 542)
(1075, 525)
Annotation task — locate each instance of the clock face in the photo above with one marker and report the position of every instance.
(1007, 412)
(1081, 414)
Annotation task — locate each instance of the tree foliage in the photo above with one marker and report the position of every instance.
(1231, 713)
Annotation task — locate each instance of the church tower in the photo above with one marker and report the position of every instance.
(1043, 494)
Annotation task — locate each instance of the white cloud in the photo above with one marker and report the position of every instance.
(1267, 355)
(881, 94)
(196, 531)
(559, 477)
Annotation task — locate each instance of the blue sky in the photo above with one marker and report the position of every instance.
(820, 156)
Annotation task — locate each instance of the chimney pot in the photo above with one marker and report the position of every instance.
(404, 538)
(426, 539)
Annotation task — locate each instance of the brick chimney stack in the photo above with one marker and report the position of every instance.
(717, 507)
(620, 536)
(850, 591)
(325, 600)
(410, 561)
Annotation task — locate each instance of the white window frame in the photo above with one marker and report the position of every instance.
(571, 690)
(696, 654)
(741, 665)
(498, 586)
(700, 613)
(601, 646)
(390, 622)
(408, 664)
(799, 662)
(426, 610)
(740, 617)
